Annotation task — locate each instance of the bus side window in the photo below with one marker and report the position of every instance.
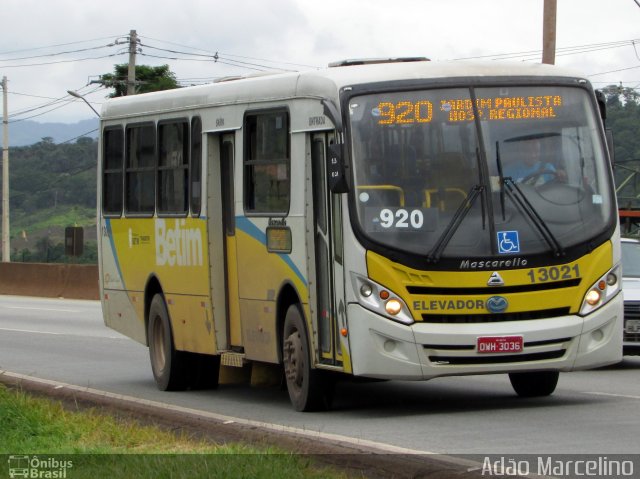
(112, 163)
(140, 169)
(173, 167)
(195, 168)
(267, 163)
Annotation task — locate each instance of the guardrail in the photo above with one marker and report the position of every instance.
(50, 280)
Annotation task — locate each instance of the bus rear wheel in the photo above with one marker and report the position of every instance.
(534, 384)
(309, 389)
(169, 366)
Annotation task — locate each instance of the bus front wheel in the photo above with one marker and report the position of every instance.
(309, 389)
(534, 384)
(168, 364)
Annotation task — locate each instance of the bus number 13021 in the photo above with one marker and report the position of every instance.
(554, 273)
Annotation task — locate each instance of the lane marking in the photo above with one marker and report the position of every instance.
(52, 333)
(30, 331)
(33, 308)
(626, 396)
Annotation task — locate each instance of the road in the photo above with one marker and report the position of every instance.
(595, 412)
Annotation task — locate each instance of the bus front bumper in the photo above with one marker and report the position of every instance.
(381, 348)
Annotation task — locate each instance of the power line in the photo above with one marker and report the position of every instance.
(614, 71)
(43, 113)
(562, 51)
(58, 53)
(78, 137)
(216, 57)
(208, 52)
(31, 109)
(271, 61)
(242, 63)
(65, 100)
(222, 62)
(31, 96)
(207, 56)
(60, 102)
(37, 107)
(261, 63)
(59, 45)
(64, 61)
(619, 83)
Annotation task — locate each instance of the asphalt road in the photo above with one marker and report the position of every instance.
(595, 412)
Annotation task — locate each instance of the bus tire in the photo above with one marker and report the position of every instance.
(309, 389)
(534, 384)
(169, 366)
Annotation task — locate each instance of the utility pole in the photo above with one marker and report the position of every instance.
(133, 47)
(6, 237)
(549, 32)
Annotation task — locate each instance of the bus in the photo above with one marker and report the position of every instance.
(360, 221)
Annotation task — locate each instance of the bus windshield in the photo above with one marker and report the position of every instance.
(491, 171)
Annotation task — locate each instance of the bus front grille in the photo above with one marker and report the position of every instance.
(631, 312)
(463, 290)
(491, 359)
(494, 318)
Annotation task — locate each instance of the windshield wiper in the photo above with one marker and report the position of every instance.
(499, 164)
(436, 253)
(518, 197)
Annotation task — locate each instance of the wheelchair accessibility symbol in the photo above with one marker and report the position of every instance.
(508, 242)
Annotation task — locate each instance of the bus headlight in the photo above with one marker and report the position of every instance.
(593, 297)
(601, 292)
(380, 300)
(393, 306)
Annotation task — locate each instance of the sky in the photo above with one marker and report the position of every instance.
(48, 47)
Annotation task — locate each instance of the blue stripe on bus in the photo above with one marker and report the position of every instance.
(246, 226)
(107, 222)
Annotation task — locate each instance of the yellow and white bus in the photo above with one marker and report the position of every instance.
(368, 219)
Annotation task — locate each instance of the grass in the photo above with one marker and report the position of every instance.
(95, 445)
(58, 217)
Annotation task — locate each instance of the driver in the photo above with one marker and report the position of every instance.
(531, 168)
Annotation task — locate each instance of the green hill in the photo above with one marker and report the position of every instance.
(52, 186)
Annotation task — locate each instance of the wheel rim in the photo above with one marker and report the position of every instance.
(158, 341)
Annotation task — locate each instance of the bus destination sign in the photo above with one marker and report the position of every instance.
(406, 112)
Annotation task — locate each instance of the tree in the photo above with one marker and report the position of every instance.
(148, 79)
(618, 96)
(623, 117)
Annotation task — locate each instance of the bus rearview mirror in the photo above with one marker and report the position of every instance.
(336, 176)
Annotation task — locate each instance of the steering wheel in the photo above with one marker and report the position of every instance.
(534, 177)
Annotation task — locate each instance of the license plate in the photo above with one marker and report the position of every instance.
(500, 344)
(632, 326)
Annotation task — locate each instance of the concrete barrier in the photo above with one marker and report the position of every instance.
(50, 280)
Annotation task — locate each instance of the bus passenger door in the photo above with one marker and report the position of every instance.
(222, 223)
(327, 220)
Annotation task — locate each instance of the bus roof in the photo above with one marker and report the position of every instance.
(321, 83)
